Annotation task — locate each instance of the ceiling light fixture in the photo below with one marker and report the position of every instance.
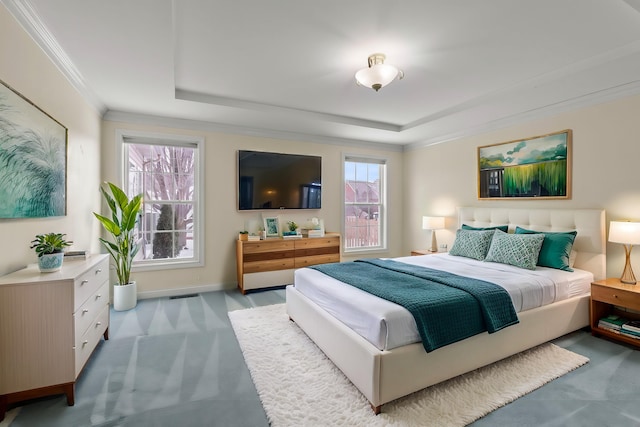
(378, 74)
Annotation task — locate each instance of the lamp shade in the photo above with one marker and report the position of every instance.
(432, 222)
(378, 74)
(625, 232)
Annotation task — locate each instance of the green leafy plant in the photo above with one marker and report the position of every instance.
(292, 226)
(243, 232)
(121, 226)
(50, 243)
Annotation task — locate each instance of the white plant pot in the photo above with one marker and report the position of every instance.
(125, 297)
(48, 263)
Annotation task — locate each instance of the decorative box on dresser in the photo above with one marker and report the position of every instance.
(609, 296)
(50, 323)
(271, 262)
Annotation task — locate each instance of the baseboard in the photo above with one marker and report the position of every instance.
(183, 291)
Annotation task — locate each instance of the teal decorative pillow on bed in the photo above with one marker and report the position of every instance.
(556, 248)
(520, 250)
(504, 228)
(472, 244)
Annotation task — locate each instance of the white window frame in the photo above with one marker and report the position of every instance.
(122, 136)
(382, 205)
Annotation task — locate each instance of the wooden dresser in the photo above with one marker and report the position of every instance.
(271, 262)
(50, 323)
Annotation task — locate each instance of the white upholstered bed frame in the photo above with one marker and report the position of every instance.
(383, 376)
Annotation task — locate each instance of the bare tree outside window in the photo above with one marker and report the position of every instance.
(165, 175)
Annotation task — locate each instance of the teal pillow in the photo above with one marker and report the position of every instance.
(504, 228)
(556, 248)
(520, 250)
(472, 244)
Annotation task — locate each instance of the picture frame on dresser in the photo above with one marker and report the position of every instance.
(272, 226)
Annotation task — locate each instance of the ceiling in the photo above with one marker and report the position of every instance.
(286, 68)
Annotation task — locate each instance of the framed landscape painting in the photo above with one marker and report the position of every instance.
(534, 168)
(33, 159)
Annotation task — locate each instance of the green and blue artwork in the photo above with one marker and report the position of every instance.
(537, 167)
(33, 149)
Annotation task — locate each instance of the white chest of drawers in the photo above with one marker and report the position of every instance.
(50, 323)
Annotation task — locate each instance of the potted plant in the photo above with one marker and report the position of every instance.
(243, 235)
(50, 250)
(123, 248)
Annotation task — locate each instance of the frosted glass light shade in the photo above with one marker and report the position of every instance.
(378, 74)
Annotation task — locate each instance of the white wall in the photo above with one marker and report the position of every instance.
(223, 220)
(606, 172)
(25, 68)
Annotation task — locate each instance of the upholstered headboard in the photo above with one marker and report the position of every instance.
(590, 243)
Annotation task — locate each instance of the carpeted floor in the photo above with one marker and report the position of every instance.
(299, 385)
(176, 362)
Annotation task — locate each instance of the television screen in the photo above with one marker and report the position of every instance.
(278, 181)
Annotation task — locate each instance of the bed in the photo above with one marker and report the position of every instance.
(383, 375)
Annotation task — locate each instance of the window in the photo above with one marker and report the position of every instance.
(364, 204)
(165, 169)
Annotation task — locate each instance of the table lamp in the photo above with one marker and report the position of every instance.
(433, 223)
(627, 233)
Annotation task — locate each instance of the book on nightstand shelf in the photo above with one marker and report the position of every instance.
(620, 325)
(631, 328)
(612, 323)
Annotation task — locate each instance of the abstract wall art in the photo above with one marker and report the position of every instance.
(33, 159)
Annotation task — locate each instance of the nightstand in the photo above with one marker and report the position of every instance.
(422, 252)
(606, 296)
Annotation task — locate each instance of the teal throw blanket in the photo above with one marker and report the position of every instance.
(447, 307)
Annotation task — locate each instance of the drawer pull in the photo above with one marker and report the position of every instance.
(615, 296)
(85, 311)
(85, 342)
(98, 324)
(98, 296)
(98, 271)
(84, 282)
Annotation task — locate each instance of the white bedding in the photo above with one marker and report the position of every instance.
(388, 325)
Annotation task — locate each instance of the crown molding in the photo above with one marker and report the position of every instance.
(583, 101)
(186, 95)
(206, 126)
(25, 13)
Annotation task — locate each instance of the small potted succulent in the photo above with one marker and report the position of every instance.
(50, 250)
(243, 235)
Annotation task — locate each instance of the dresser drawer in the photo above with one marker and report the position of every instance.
(267, 246)
(88, 282)
(619, 297)
(86, 343)
(91, 308)
(258, 266)
(316, 259)
(318, 242)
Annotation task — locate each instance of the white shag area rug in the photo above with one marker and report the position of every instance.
(299, 386)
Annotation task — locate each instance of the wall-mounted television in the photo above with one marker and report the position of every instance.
(279, 181)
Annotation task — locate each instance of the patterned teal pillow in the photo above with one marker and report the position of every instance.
(556, 248)
(504, 228)
(521, 250)
(472, 244)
